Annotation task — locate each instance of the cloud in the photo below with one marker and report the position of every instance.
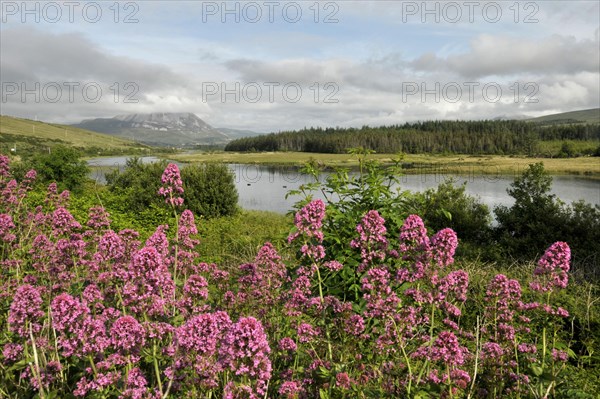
(55, 69)
(505, 55)
(370, 56)
(70, 56)
(302, 71)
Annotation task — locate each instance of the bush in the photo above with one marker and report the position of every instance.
(377, 187)
(450, 206)
(137, 184)
(538, 217)
(567, 150)
(534, 219)
(348, 198)
(209, 189)
(61, 165)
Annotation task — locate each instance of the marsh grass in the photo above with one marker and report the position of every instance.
(412, 163)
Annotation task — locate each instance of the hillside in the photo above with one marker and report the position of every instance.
(583, 116)
(158, 129)
(238, 133)
(27, 134)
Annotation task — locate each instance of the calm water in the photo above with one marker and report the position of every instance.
(265, 187)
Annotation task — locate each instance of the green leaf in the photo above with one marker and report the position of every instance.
(422, 395)
(447, 214)
(323, 372)
(536, 369)
(323, 394)
(21, 364)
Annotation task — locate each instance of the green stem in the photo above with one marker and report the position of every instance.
(156, 369)
(329, 348)
(155, 361)
(449, 382)
(36, 370)
(408, 389)
(93, 365)
(175, 262)
(543, 347)
(431, 326)
(517, 363)
(477, 343)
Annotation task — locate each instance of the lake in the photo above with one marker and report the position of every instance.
(264, 187)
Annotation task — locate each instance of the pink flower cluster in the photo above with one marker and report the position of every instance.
(262, 279)
(551, 271)
(245, 351)
(309, 221)
(172, 185)
(4, 166)
(149, 286)
(6, 225)
(371, 241)
(26, 314)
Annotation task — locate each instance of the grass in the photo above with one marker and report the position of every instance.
(553, 147)
(33, 133)
(232, 240)
(419, 163)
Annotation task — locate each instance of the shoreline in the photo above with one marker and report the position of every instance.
(584, 167)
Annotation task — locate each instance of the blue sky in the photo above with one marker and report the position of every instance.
(377, 62)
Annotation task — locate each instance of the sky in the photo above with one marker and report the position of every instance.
(269, 66)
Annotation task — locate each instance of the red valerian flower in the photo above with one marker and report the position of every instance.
(551, 271)
(26, 311)
(172, 185)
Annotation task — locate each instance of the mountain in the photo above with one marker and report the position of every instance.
(510, 118)
(159, 129)
(583, 116)
(238, 133)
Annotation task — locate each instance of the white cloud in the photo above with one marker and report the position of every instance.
(372, 55)
(506, 55)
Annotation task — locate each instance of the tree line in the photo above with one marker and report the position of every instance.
(465, 137)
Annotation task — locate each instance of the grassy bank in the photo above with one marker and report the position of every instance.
(468, 164)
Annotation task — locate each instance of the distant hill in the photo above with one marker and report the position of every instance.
(510, 118)
(238, 133)
(28, 134)
(583, 116)
(158, 129)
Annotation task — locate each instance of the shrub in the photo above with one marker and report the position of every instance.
(61, 165)
(137, 184)
(209, 189)
(538, 217)
(450, 206)
(349, 197)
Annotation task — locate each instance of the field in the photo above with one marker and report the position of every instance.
(584, 166)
